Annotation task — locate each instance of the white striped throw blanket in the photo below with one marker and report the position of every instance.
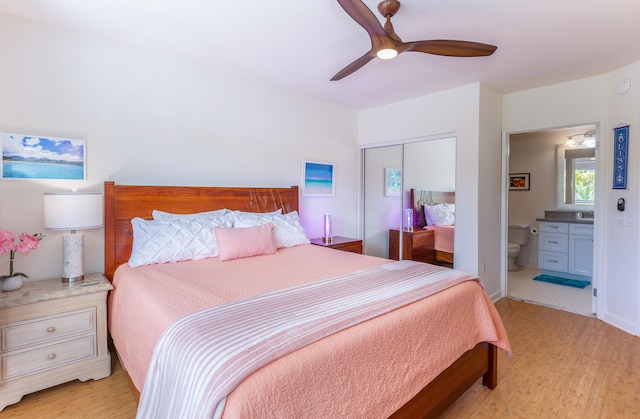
(202, 357)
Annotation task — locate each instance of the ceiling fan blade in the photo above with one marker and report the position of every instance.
(354, 66)
(363, 16)
(450, 48)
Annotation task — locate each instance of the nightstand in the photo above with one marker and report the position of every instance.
(50, 333)
(341, 243)
(416, 245)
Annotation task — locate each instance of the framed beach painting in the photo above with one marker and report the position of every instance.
(37, 157)
(392, 182)
(319, 179)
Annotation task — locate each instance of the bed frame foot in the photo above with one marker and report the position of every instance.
(490, 378)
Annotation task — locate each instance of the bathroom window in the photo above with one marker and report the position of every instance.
(584, 181)
(579, 176)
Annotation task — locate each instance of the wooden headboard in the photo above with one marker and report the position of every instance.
(420, 198)
(124, 202)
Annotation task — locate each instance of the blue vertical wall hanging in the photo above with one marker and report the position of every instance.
(620, 157)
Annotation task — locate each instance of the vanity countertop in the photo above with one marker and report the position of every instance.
(567, 220)
(567, 217)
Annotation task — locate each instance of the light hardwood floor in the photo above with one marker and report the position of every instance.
(564, 365)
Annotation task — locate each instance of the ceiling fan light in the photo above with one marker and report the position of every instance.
(387, 53)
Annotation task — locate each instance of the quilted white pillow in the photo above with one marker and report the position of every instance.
(241, 215)
(156, 241)
(288, 231)
(440, 214)
(220, 216)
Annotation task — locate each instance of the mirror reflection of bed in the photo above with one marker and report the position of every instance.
(435, 211)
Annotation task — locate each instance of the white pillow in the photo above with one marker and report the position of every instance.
(440, 214)
(288, 231)
(156, 241)
(239, 215)
(220, 216)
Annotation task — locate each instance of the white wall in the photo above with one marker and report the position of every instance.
(151, 119)
(490, 186)
(621, 298)
(455, 112)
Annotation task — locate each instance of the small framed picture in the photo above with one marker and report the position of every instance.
(392, 182)
(319, 179)
(519, 182)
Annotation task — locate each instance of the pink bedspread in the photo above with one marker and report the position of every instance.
(334, 377)
(442, 237)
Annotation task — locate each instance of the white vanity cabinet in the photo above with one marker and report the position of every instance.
(566, 250)
(581, 249)
(553, 247)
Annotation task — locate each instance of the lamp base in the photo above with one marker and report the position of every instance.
(73, 279)
(72, 257)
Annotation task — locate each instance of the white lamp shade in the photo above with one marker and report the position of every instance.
(72, 211)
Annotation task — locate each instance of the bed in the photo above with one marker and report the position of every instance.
(425, 394)
(443, 204)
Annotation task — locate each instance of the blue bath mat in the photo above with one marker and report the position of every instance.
(562, 281)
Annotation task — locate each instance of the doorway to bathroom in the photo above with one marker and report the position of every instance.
(552, 178)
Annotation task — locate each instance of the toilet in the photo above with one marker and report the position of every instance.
(518, 236)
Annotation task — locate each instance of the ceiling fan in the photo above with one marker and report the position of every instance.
(385, 44)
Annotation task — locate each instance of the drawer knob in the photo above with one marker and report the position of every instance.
(51, 329)
(51, 356)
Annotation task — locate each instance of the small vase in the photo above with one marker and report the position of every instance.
(11, 283)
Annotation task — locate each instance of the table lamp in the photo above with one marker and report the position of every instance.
(72, 211)
(328, 228)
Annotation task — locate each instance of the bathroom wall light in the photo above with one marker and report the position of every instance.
(587, 139)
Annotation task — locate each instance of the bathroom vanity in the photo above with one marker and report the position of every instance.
(565, 249)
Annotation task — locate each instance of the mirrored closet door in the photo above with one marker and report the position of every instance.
(403, 184)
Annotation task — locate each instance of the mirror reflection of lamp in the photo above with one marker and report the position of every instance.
(72, 211)
(408, 219)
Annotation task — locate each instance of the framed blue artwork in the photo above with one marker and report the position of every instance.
(318, 179)
(392, 182)
(38, 157)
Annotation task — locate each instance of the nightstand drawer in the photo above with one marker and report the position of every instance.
(58, 326)
(423, 238)
(17, 364)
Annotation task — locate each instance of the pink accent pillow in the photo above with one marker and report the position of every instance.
(244, 242)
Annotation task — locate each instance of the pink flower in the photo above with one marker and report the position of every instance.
(6, 241)
(26, 243)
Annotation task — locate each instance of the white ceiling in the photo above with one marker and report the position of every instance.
(300, 44)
